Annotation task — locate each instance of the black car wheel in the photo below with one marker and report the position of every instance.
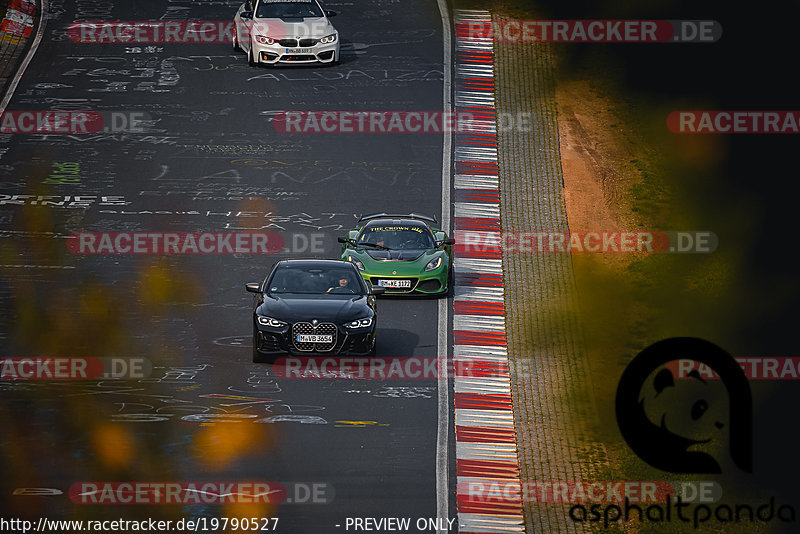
(251, 59)
(450, 290)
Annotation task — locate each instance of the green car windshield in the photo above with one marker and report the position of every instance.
(397, 237)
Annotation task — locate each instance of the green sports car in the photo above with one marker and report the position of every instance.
(403, 253)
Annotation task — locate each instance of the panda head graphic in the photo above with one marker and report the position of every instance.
(682, 425)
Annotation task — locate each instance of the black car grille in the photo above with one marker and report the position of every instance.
(320, 329)
(430, 285)
(292, 43)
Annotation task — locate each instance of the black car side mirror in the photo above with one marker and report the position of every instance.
(253, 287)
(330, 13)
(247, 15)
(378, 290)
(344, 240)
(448, 241)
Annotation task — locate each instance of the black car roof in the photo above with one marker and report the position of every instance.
(312, 262)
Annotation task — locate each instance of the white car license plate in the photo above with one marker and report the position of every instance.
(314, 338)
(298, 50)
(399, 284)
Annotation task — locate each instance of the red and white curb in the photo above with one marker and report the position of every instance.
(486, 447)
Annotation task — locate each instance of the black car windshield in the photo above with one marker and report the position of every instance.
(397, 237)
(287, 10)
(315, 281)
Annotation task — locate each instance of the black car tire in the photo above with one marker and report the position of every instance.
(450, 291)
(374, 348)
(251, 60)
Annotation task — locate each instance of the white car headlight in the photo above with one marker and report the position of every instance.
(360, 323)
(328, 39)
(435, 263)
(355, 261)
(263, 39)
(269, 321)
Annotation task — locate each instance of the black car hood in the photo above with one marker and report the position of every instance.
(395, 255)
(325, 308)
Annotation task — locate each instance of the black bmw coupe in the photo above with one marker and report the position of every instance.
(312, 307)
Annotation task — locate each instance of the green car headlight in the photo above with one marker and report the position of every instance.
(434, 264)
(354, 260)
(269, 321)
(360, 323)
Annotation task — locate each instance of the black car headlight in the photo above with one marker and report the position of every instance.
(328, 39)
(269, 321)
(360, 323)
(354, 260)
(434, 264)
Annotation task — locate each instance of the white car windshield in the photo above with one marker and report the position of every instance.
(287, 10)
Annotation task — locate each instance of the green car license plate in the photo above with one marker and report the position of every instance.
(395, 284)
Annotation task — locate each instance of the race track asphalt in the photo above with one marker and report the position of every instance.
(211, 159)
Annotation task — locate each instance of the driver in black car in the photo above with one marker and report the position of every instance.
(343, 286)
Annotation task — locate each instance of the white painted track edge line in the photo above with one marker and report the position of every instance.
(443, 389)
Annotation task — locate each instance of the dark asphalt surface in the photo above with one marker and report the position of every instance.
(211, 161)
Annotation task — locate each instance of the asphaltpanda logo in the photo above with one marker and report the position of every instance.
(683, 423)
(686, 424)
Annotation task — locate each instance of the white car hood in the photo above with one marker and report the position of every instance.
(315, 27)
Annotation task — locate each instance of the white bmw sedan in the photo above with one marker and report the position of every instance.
(286, 32)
